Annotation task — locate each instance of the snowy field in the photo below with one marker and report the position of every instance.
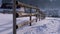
(47, 26)
(6, 23)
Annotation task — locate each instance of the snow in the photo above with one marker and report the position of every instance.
(6, 23)
(49, 25)
(23, 19)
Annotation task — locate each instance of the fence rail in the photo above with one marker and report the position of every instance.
(38, 13)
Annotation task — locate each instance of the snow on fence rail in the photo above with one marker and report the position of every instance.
(38, 13)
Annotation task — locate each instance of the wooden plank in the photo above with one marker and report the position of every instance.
(25, 23)
(26, 14)
(25, 5)
(30, 16)
(14, 17)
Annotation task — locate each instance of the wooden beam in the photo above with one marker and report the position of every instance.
(25, 23)
(25, 5)
(14, 17)
(30, 16)
(36, 15)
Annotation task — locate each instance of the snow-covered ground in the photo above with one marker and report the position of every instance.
(48, 25)
(6, 22)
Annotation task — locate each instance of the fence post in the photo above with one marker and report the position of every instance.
(30, 16)
(36, 15)
(14, 16)
(39, 15)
